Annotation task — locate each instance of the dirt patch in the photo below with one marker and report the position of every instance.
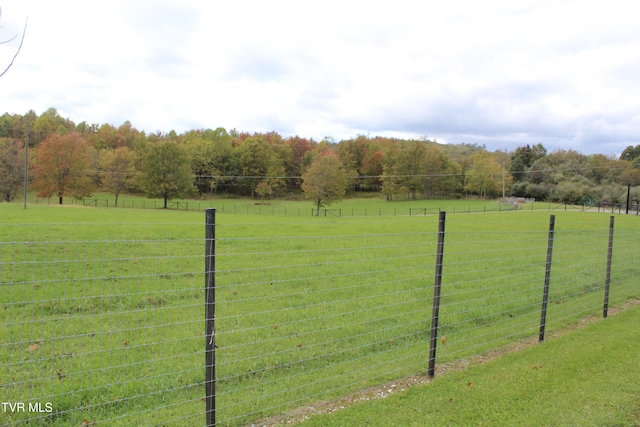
(382, 391)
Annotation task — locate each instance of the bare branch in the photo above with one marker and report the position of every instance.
(10, 40)
(24, 31)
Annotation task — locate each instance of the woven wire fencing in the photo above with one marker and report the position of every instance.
(110, 330)
(103, 330)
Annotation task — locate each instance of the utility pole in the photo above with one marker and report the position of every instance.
(503, 180)
(26, 160)
(503, 173)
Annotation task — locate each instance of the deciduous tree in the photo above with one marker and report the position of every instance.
(117, 170)
(522, 160)
(63, 167)
(48, 123)
(325, 181)
(106, 136)
(11, 168)
(299, 148)
(210, 156)
(487, 175)
(630, 153)
(259, 161)
(167, 172)
(263, 190)
(372, 169)
(391, 169)
(631, 174)
(412, 167)
(440, 172)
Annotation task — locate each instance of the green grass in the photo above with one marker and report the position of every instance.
(372, 205)
(308, 308)
(587, 377)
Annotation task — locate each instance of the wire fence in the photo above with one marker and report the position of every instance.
(113, 326)
(101, 331)
(278, 208)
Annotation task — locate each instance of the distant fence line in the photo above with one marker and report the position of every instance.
(214, 324)
(262, 208)
(517, 200)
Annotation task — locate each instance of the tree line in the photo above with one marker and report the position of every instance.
(66, 159)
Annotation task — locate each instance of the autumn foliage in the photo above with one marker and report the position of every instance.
(166, 173)
(11, 168)
(325, 182)
(70, 159)
(63, 167)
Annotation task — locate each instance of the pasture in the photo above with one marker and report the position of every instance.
(586, 378)
(293, 206)
(102, 309)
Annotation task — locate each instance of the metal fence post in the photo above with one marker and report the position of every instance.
(605, 310)
(210, 307)
(547, 277)
(435, 314)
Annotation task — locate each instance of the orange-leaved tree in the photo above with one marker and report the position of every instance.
(62, 168)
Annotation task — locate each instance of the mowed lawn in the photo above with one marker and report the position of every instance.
(589, 377)
(309, 308)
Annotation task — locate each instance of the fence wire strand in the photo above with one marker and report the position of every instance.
(111, 331)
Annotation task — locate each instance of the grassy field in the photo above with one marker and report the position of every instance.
(589, 378)
(370, 206)
(103, 309)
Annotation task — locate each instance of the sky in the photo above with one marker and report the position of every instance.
(501, 74)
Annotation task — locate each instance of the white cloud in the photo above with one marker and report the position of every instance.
(497, 73)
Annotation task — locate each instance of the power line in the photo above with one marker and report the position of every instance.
(435, 175)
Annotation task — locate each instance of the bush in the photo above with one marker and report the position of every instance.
(530, 190)
(571, 192)
(610, 193)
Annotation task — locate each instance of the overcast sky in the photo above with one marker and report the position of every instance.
(500, 73)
